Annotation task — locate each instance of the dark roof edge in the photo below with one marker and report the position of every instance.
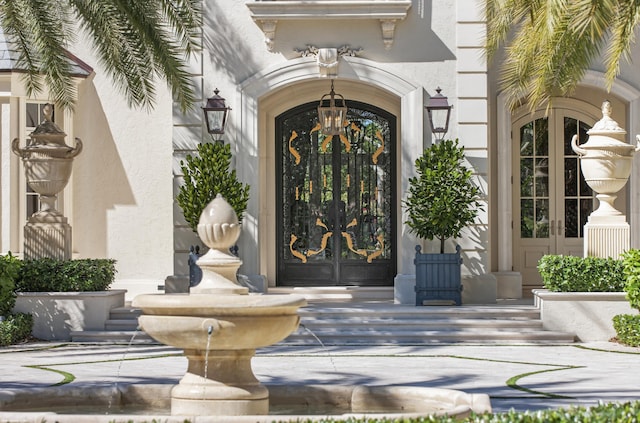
(81, 64)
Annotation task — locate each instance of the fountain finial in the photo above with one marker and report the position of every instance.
(218, 226)
(219, 229)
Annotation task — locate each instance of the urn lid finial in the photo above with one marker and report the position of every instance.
(606, 124)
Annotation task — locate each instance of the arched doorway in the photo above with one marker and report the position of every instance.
(335, 198)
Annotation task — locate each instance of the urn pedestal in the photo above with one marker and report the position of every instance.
(47, 162)
(606, 160)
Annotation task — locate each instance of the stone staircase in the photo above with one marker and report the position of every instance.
(366, 316)
(121, 327)
(387, 324)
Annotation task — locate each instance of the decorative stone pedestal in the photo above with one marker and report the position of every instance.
(229, 386)
(47, 239)
(608, 237)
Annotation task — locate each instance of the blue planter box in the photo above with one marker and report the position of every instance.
(438, 277)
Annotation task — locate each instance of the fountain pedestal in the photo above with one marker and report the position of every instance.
(219, 326)
(606, 165)
(230, 388)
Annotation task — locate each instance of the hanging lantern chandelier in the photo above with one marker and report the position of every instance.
(332, 112)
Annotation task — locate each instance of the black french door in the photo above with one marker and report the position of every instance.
(335, 198)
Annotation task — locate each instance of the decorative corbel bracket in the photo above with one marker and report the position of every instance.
(388, 31)
(267, 14)
(328, 58)
(268, 27)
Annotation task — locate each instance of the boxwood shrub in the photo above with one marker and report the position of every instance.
(604, 413)
(49, 275)
(627, 326)
(9, 268)
(15, 328)
(631, 260)
(581, 274)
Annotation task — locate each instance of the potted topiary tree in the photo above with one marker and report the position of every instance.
(206, 175)
(442, 200)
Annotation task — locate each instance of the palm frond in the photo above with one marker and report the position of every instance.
(623, 31)
(549, 45)
(40, 30)
(136, 42)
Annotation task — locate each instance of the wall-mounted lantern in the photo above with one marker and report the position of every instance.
(215, 114)
(439, 113)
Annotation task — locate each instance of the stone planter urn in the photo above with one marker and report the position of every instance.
(606, 160)
(48, 162)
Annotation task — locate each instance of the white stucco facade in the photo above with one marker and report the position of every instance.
(120, 201)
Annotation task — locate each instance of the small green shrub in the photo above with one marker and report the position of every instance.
(604, 413)
(205, 175)
(15, 328)
(49, 275)
(443, 199)
(631, 260)
(9, 268)
(627, 328)
(581, 274)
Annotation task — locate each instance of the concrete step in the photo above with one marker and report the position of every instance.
(338, 294)
(121, 324)
(355, 337)
(388, 324)
(112, 336)
(421, 324)
(123, 313)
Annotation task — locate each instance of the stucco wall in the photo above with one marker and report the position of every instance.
(122, 180)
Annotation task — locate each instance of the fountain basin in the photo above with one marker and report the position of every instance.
(237, 322)
(288, 403)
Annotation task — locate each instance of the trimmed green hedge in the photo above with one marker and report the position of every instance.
(631, 260)
(605, 413)
(627, 326)
(49, 275)
(581, 274)
(15, 328)
(9, 269)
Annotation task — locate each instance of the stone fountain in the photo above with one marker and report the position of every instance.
(606, 160)
(219, 326)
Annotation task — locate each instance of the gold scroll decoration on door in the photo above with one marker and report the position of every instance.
(380, 150)
(292, 150)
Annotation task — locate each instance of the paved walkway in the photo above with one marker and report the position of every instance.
(523, 377)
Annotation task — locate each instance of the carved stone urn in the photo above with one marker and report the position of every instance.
(606, 160)
(47, 162)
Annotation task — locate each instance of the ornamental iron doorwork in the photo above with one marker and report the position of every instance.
(335, 198)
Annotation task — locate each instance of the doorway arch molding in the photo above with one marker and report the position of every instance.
(274, 90)
(592, 79)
